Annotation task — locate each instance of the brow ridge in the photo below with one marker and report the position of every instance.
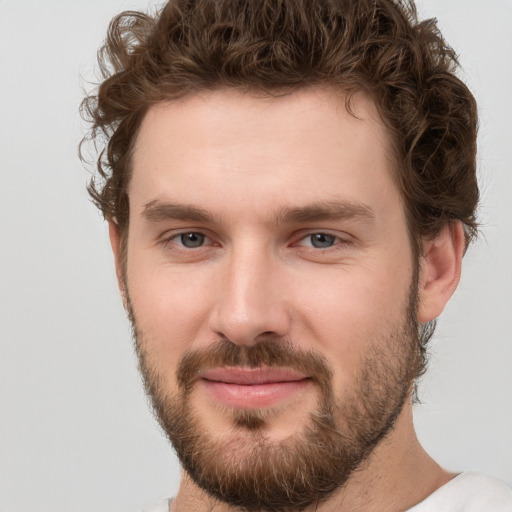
(160, 211)
(322, 211)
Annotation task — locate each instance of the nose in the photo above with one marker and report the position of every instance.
(250, 302)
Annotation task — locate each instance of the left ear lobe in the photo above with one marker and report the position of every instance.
(115, 242)
(440, 269)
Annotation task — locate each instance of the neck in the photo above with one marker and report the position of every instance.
(398, 475)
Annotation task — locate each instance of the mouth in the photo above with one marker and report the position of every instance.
(249, 388)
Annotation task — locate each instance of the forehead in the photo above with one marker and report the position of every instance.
(227, 148)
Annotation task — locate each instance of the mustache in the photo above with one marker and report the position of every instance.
(265, 353)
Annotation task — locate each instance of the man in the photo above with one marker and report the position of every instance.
(290, 188)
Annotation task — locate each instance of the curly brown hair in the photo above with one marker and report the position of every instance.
(275, 47)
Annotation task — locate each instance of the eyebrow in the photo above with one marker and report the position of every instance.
(323, 211)
(160, 211)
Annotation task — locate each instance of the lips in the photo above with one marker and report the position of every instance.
(252, 376)
(252, 387)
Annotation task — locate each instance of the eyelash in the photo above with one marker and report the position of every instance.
(184, 233)
(337, 240)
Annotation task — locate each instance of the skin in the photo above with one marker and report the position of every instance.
(243, 159)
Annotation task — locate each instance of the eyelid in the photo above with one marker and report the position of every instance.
(299, 237)
(170, 236)
(343, 238)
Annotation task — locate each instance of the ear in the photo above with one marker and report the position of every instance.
(115, 242)
(440, 268)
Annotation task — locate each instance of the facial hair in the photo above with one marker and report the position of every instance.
(249, 470)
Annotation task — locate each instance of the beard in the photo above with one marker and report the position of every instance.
(246, 468)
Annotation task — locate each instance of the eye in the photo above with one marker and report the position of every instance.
(182, 246)
(321, 240)
(191, 240)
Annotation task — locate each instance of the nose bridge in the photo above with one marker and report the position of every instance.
(250, 302)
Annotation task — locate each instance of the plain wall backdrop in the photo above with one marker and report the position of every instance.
(75, 430)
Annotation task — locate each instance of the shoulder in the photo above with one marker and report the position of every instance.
(482, 492)
(161, 506)
(469, 492)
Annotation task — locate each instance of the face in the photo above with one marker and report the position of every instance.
(271, 285)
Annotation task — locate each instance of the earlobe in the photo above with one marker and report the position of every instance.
(113, 233)
(440, 270)
(115, 242)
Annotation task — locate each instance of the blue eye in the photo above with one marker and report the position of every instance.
(322, 240)
(192, 240)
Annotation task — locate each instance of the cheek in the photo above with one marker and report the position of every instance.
(350, 313)
(353, 299)
(170, 308)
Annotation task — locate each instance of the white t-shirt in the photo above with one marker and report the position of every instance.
(161, 506)
(467, 492)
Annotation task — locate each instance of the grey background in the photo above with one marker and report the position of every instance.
(75, 432)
